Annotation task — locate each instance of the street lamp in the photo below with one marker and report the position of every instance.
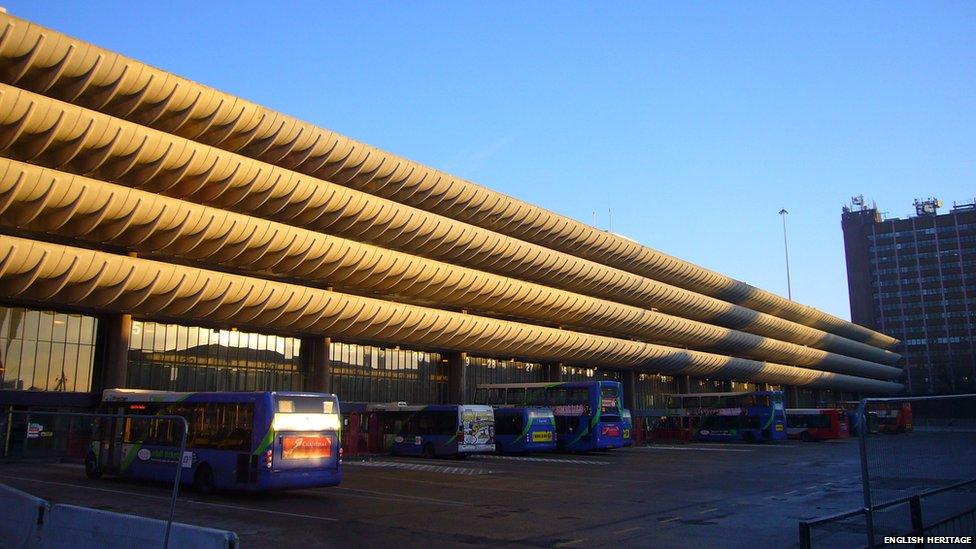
(786, 248)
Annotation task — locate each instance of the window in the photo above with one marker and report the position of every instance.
(171, 357)
(46, 350)
(509, 424)
(609, 401)
(304, 405)
(578, 396)
(535, 396)
(362, 373)
(515, 396)
(557, 396)
(224, 426)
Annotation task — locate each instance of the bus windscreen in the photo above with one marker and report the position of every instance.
(609, 401)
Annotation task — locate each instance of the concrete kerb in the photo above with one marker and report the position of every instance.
(83, 528)
(23, 516)
(31, 522)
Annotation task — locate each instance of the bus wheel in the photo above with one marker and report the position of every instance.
(203, 479)
(749, 437)
(805, 436)
(429, 451)
(92, 470)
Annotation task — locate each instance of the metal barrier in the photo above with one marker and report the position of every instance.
(912, 450)
(915, 518)
(179, 420)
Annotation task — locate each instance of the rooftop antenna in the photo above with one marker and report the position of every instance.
(594, 218)
(610, 222)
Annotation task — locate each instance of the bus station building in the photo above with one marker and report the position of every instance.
(157, 233)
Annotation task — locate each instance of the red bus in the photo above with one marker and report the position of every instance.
(808, 424)
(882, 417)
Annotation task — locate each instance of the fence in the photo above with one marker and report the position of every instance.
(917, 473)
(36, 432)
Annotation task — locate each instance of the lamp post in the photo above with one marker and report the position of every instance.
(786, 248)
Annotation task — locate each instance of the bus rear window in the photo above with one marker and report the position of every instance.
(609, 400)
(304, 405)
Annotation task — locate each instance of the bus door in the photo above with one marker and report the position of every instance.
(374, 435)
(351, 432)
(110, 441)
(392, 427)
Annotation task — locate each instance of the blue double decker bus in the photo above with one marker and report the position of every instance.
(751, 416)
(627, 422)
(587, 413)
(524, 429)
(249, 441)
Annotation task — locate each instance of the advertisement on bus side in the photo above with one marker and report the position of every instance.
(478, 429)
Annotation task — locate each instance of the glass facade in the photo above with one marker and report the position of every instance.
(651, 390)
(707, 386)
(361, 373)
(52, 351)
(46, 350)
(490, 370)
(576, 373)
(172, 357)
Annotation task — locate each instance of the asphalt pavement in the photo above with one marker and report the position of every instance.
(666, 495)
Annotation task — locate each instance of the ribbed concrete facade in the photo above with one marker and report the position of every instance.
(125, 189)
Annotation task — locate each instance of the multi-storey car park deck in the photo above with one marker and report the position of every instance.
(156, 233)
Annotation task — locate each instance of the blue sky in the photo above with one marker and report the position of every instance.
(695, 124)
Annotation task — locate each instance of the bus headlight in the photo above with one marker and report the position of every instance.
(267, 458)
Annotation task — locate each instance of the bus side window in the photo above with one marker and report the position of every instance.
(536, 396)
(447, 423)
(504, 425)
(425, 425)
(516, 396)
(557, 396)
(579, 396)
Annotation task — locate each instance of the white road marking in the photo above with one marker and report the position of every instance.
(167, 498)
(568, 543)
(624, 531)
(757, 446)
(703, 511)
(400, 497)
(696, 449)
(420, 467)
(534, 491)
(672, 519)
(541, 459)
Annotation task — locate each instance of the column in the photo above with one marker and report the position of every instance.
(457, 377)
(684, 384)
(628, 378)
(111, 351)
(316, 364)
(553, 372)
(793, 397)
